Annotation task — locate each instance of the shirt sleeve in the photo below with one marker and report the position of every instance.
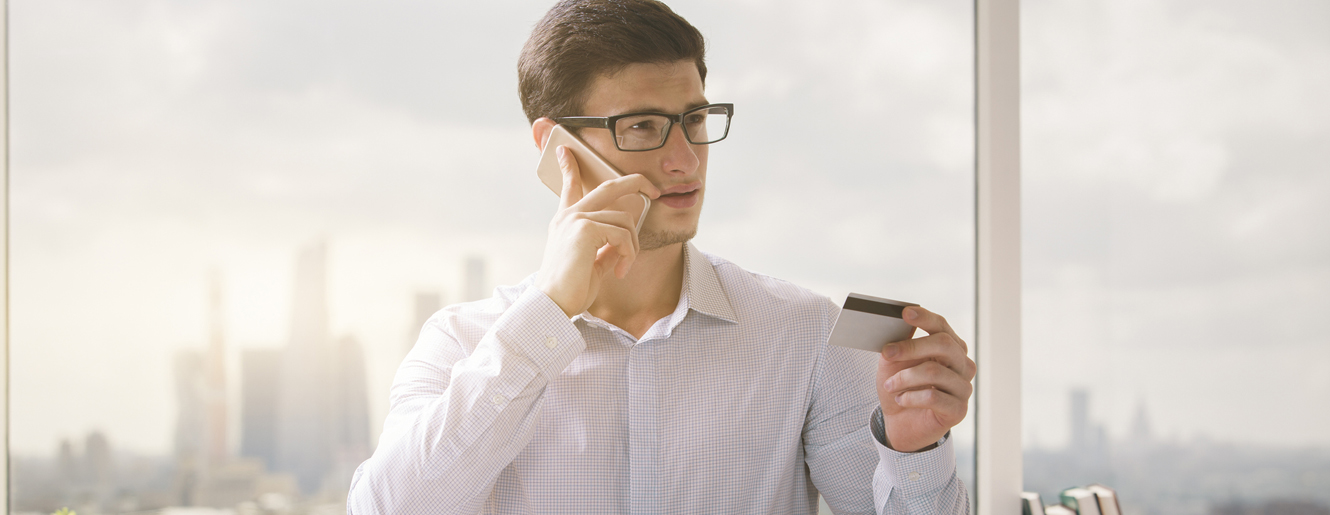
(456, 419)
(838, 444)
(922, 482)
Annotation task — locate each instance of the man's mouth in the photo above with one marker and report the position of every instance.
(682, 196)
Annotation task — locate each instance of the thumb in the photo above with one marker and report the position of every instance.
(572, 177)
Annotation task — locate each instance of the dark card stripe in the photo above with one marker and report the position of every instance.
(876, 308)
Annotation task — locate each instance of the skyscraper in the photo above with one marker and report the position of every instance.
(427, 304)
(190, 422)
(259, 372)
(1080, 420)
(321, 402)
(1141, 433)
(200, 377)
(475, 284)
(98, 464)
(214, 381)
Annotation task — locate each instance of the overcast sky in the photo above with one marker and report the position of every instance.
(1175, 223)
(1177, 233)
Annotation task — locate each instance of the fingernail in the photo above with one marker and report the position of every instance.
(887, 385)
(910, 314)
(899, 396)
(892, 351)
(560, 152)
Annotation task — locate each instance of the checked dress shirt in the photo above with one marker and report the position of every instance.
(732, 404)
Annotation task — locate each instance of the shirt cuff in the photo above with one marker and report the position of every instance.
(535, 328)
(913, 474)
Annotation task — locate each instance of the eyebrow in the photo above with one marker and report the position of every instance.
(650, 109)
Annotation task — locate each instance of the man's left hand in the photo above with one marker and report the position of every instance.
(924, 383)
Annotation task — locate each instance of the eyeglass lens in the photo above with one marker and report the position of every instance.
(648, 131)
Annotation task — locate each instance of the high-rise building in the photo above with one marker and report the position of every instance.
(322, 409)
(190, 422)
(427, 304)
(259, 372)
(97, 462)
(1080, 420)
(475, 284)
(214, 379)
(66, 466)
(1141, 433)
(200, 377)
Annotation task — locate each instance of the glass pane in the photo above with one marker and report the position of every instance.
(1176, 261)
(850, 163)
(220, 209)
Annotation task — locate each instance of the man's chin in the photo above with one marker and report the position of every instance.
(656, 239)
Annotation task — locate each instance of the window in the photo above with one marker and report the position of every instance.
(1175, 253)
(203, 193)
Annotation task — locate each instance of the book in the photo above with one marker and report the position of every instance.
(1081, 500)
(1032, 504)
(1058, 509)
(1108, 499)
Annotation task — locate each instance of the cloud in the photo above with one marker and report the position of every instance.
(1173, 243)
(154, 140)
(1174, 180)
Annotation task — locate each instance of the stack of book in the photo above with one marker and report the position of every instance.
(1082, 500)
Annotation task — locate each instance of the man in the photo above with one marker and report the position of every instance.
(635, 374)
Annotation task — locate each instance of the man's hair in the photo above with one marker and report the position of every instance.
(578, 40)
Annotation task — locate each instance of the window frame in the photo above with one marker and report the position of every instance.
(4, 252)
(998, 467)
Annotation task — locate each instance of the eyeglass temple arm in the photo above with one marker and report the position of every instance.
(593, 122)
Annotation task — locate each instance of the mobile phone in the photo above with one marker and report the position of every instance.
(595, 170)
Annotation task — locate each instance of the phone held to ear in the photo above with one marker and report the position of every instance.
(595, 170)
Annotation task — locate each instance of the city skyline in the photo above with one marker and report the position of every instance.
(302, 416)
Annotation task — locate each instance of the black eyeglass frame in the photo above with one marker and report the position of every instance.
(608, 122)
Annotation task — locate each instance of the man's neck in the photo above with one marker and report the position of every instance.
(648, 293)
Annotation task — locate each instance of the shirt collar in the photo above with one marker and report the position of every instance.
(701, 293)
(702, 286)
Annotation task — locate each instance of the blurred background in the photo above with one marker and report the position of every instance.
(1177, 252)
(229, 219)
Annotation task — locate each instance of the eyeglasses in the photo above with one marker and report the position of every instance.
(639, 132)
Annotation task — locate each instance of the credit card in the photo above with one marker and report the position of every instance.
(869, 323)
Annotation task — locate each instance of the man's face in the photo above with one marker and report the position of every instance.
(679, 168)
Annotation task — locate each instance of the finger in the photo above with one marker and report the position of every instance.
(941, 347)
(606, 257)
(609, 191)
(948, 409)
(618, 219)
(572, 177)
(930, 322)
(929, 374)
(618, 237)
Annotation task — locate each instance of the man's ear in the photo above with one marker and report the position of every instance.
(540, 131)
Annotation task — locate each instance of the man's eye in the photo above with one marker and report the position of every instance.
(695, 119)
(644, 125)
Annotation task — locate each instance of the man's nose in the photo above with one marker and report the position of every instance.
(680, 155)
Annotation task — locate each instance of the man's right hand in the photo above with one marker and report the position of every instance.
(587, 241)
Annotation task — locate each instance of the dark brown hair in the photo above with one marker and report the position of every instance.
(578, 40)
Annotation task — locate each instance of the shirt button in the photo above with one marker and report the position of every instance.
(551, 342)
(497, 399)
(914, 476)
